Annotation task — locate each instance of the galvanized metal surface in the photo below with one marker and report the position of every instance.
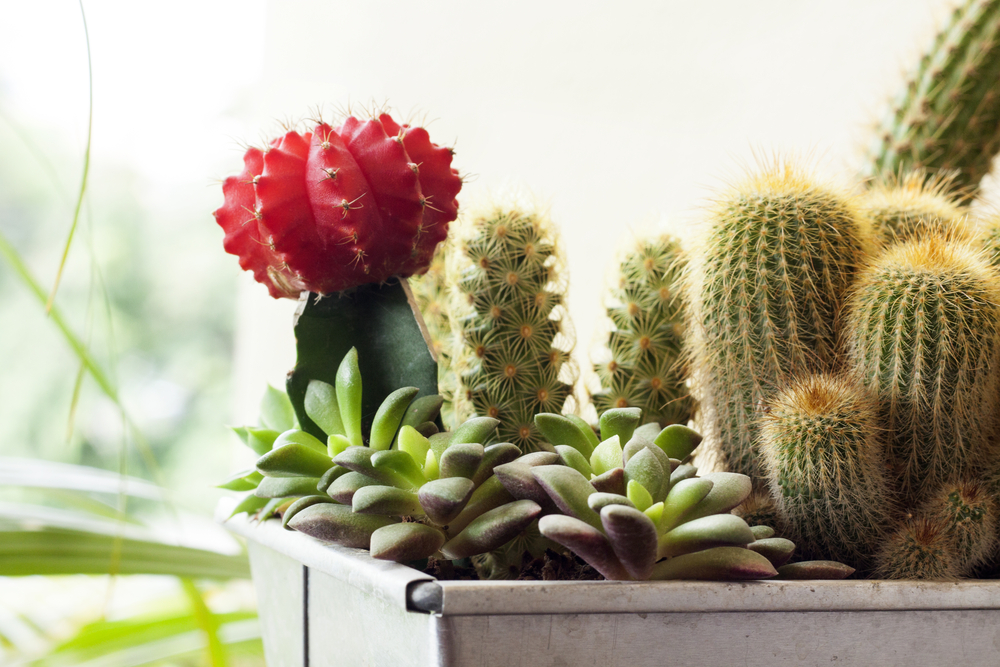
(357, 615)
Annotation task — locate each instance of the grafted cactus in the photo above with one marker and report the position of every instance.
(640, 364)
(512, 339)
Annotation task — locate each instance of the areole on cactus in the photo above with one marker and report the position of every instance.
(336, 207)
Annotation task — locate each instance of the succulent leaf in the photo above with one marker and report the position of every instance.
(286, 487)
(301, 504)
(461, 460)
(678, 441)
(589, 543)
(389, 416)
(349, 393)
(331, 522)
(633, 538)
(718, 564)
(404, 542)
(444, 499)
(569, 490)
(321, 406)
(492, 529)
(293, 460)
(386, 500)
(276, 411)
(621, 422)
(607, 456)
(718, 530)
(559, 430)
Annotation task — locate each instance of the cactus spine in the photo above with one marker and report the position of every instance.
(923, 328)
(766, 285)
(646, 309)
(919, 549)
(823, 452)
(911, 206)
(969, 518)
(512, 351)
(948, 115)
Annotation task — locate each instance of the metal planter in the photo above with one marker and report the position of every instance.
(323, 605)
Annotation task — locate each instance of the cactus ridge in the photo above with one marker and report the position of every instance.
(646, 311)
(913, 205)
(923, 326)
(766, 287)
(947, 117)
(510, 328)
(823, 452)
(969, 517)
(919, 549)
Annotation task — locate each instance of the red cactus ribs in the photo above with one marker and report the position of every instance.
(339, 207)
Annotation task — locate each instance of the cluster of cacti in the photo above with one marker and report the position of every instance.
(511, 356)
(403, 490)
(947, 118)
(641, 365)
(766, 285)
(336, 207)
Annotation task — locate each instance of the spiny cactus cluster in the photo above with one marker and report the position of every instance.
(947, 117)
(851, 367)
(511, 359)
(642, 367)
(767, 283)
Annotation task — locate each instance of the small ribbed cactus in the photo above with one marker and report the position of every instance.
(512, 349)
(911, 206)
(969, 517)
(766, 285)
(646, 309)
(923, 332)
(919, 549)
(823, 451)
(947, 117)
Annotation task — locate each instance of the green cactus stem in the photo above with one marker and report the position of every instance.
(923, 329)
(642, 367)
(947, 117)
(512, 342)
(824, 454)
(767, 282)
(913, 205)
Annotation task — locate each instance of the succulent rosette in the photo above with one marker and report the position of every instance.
(336, 207)
(398, 487)
(637, 511)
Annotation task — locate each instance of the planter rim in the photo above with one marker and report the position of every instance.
(407, 588)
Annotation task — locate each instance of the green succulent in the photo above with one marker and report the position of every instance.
(636, 511)
(402, 489)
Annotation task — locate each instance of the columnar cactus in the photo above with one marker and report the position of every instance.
(512, 347)
(642, 367)
(923, 332)
(824, 454)
(919, 549)
(402, 490)
(988, 238)
(968, 515)
(767, 282)
(913, 205)
(947, 117)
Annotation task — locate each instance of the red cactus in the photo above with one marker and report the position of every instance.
(338, 207)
